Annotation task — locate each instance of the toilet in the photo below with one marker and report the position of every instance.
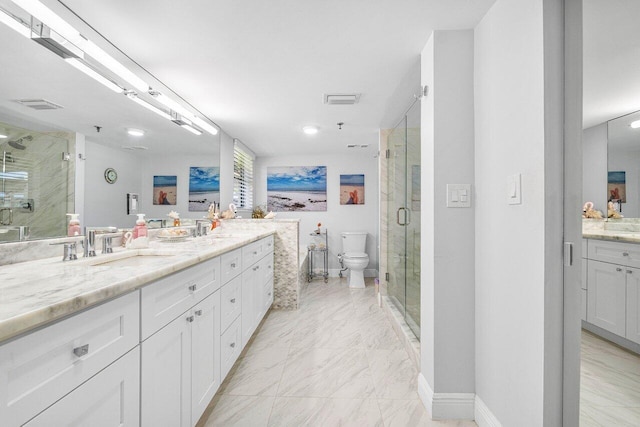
(354, 256)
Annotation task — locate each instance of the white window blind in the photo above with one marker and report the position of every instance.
(242, 176)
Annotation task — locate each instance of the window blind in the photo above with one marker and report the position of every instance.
(242, 176)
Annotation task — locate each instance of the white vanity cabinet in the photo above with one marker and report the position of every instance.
(613, 283)
(257, 285)
(39, 369)
(180, 362)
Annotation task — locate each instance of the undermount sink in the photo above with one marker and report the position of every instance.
(130, 258)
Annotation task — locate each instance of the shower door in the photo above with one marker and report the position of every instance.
(403, 213)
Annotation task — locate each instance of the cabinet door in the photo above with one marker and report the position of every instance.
(250, 297)
(109, 399)
(606, 296)
(205, 354)
(230, 302)
(230, 347)
(633, 305)
(166, 376)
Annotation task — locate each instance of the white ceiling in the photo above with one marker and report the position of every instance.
(256, 68)
(259, 69)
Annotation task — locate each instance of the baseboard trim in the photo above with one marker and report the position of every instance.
(483, 415)
(446, 406)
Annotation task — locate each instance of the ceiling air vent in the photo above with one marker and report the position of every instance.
(39, 104)
(341, 98)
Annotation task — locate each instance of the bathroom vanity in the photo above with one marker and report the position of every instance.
(138, 340)
(611, 286)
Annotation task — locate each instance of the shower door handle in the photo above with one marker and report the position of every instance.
(406, 216)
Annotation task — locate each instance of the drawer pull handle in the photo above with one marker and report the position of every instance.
(269, 293)
(232, 300)
(618, 269)
(232, 345)
(198, 312)
(233, 265)
(625, 253)
(190, 319)
(255, 252)
(629, 272)
(256, 267)
(81, 351)
(193, 288)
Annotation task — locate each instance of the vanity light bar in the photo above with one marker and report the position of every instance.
(94, 74)
(168, 102)
(635, 125)
(134, 97)
(191, 129)
(204, 125)
(15, 24)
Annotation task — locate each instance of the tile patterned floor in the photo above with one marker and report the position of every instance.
(610, 384)
(334, 362)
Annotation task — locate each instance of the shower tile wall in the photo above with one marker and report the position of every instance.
(50, 179)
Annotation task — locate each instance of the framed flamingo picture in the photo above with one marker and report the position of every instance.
(352, 189)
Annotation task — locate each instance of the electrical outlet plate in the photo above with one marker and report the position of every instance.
(458, 195)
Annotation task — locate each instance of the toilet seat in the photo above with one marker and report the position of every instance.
(353, 255)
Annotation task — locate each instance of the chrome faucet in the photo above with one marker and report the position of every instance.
(89, 242)
(202, 227)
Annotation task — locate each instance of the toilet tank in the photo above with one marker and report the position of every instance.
(354, 241)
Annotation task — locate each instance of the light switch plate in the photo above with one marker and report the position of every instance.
(514, 189)
(458, 195)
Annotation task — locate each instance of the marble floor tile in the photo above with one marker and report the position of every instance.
(394, 375)
(328, 334)
(321, 372)
(277, 330)
(304, 411)
(239, 411)
(257, 373)
(380, 336)
(404, 413)
(608, 416)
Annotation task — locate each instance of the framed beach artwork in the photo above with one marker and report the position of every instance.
(165, 189)
(297, 188)
(617, 186)
(204, 187)
(352, 189)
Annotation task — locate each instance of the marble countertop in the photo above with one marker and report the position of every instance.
(614, 235)
(35, 293)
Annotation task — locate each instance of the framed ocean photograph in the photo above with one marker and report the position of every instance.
(165, 189)
(204, 187)
(297, 188)
(352, 189)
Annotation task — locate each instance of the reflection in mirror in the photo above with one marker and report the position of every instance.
(623, 165)
(35, 182)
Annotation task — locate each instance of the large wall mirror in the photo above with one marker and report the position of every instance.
(623, 164)
(72, 113)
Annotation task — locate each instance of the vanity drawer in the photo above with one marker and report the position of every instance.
(267, 296)
(614, 252)
(230, 302)
(231, 264)
(167, 298)
(265, 273)
(267, 244)
(40, 368)
(230, 347)
(252, 253)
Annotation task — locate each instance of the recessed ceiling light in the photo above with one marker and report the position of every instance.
(135, 132)
(310, 130)
(635, 125)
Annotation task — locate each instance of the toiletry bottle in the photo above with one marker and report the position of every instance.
(140, 230)
(74, 225)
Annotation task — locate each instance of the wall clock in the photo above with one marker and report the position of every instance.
(110, 175)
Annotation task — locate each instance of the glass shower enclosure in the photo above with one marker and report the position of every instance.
(403, 213)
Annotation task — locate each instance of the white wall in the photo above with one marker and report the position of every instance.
(338, 217)
(447, 271)
(594, 172)
(518, 97)
(106, 204)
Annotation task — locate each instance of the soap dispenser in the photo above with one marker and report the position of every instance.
(74, 225)
(140, 230)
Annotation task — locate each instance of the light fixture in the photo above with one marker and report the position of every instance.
(94, 74)
(635, 125)
(134, 97)
(204, 125)
(117, 68)
(191, 129)
(310, 130)
(135, 132)
(14, 24)
(168, 102)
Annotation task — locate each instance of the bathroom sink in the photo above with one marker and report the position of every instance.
(131, 258)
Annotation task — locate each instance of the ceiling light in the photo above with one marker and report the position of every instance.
(135, 132)
(103, 57)
(134, 97)
(310, 130)
(14, 24)
(635, 125)
(94, 74)
(191, 129)
(46, 15)
(168, 102)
